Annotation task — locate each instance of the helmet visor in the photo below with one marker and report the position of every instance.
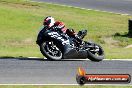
(47, 22)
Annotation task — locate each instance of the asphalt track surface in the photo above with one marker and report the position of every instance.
(117, 6)
(40, 71)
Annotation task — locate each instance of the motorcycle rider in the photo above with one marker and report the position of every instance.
(50, 24)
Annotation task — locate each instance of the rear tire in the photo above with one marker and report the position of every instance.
(45, 50)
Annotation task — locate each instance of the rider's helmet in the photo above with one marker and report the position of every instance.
(49, 21)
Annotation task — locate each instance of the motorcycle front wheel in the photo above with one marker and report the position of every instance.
(50, 50)
(95, 52)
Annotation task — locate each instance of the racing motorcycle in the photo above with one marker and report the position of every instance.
(56, 46)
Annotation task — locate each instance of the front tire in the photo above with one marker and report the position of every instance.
(96, 53)
(50, 51)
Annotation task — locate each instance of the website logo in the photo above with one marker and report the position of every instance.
(83, 78)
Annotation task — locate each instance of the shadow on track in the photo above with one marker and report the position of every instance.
(22, 58)
(37, 59)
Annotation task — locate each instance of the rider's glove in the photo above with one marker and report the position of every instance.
(76, 36)
(54, 28)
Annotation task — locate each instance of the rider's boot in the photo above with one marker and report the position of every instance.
(82, 34)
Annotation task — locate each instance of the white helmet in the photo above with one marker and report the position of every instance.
(49, 21)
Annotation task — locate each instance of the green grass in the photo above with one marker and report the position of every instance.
(65, 86)
(20, 21)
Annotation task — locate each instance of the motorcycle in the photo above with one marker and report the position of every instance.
(56, 46)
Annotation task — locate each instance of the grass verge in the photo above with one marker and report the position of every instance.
(21, 21)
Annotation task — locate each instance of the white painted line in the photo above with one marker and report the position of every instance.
(82, 8)
(103, 60)
(119, 59)
(88, 59)
(74, 84)
(33, 57)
